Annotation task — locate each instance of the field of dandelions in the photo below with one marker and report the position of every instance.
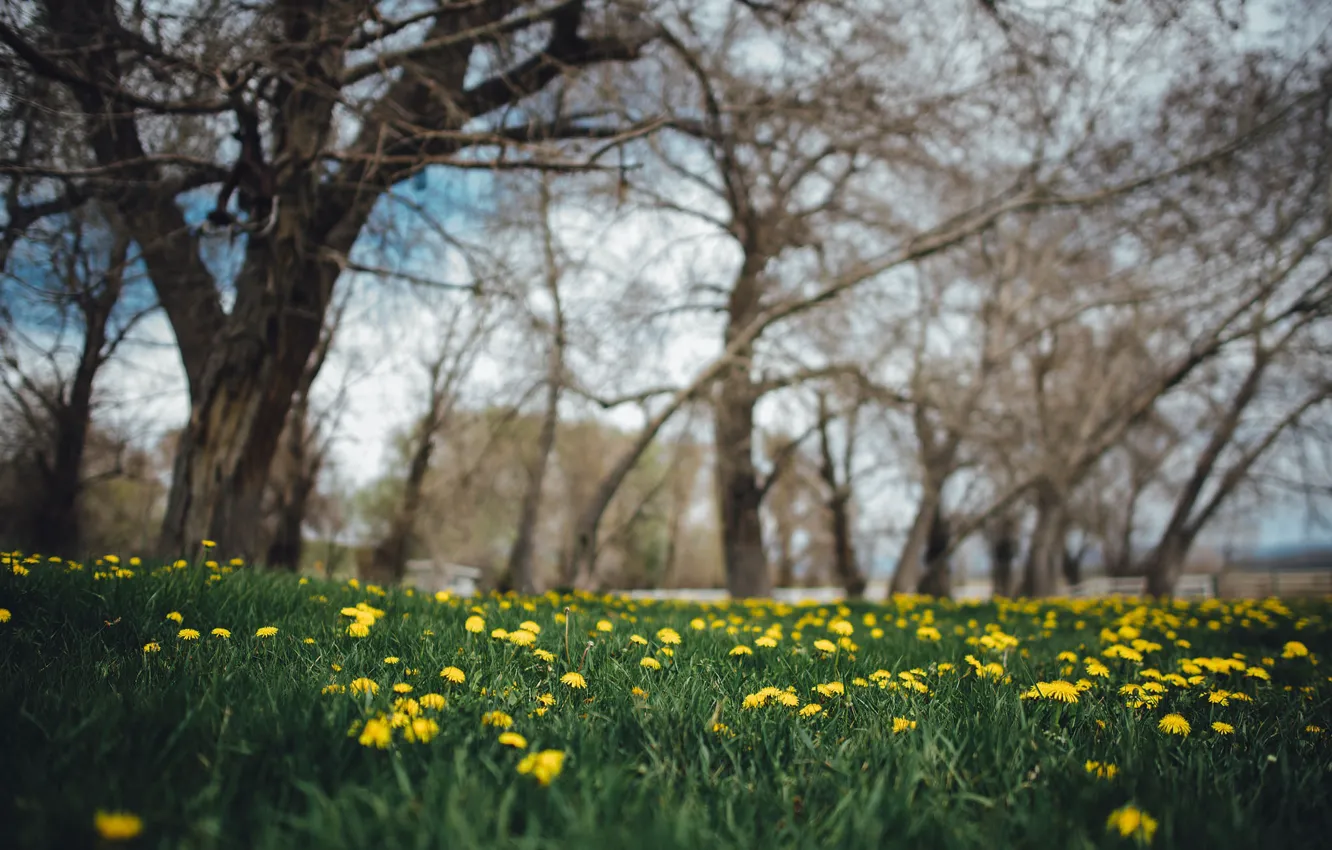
(204, 704)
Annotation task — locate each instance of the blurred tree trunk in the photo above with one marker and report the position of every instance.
(520, 566)
(839, 514)
(1047, 543)
(937, 580)
(1003, 550)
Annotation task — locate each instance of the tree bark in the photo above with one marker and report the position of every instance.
(1047, 545)
(937, 580)
(906, 575)
(1003, 551)
(739, 492)
(839, 514)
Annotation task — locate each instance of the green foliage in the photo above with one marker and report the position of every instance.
(233, 742)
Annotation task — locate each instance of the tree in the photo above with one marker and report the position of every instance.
(328, 107)
(72, 282)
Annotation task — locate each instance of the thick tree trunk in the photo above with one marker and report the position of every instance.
(906, 575)
(226, 450)
(288, 543)
(1003, 550)
(1166, 562)
(1047, 546)
(388, 563)
(937, 580)
(739, 492)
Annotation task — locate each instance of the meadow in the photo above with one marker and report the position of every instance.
(207, 704)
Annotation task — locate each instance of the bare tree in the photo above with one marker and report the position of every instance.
(303, 116)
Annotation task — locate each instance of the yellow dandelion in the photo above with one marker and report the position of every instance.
(521, 637)
(740, 649)
(638, 639)
(650, 663)
(604, 626)
(1174, 724)
(266, 631)
(498, 719)
(810, 710)
(825, 646)
(1313, 729)
(902, 724)
(454, 675)
(188, 634)
(543, 766)
(842, 628)
(1222, 728)
(513, 739)
(434, 702)
(639, 692)
(529, 626)
(1294, 649)
(221, 633)
(364, 685)
(421, 730)
(1132, 822)
(544, 655)
(176, 616)
(152, 646)
(766, 642)
(546, 699)
(402, 688)
(377, 733)
(207, 544)
(358, 629)
(117, 826)
(4, 615)
(475, 625)
(574, 680)
(1058, 690)
(668, 636)
(391, 659)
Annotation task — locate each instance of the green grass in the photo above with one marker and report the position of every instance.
(232, 742)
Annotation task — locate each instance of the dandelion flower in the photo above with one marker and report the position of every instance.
(434, 702)
(638, 639)
(1130, 821)
(831, 689)
(358, 629)
(543, 766)
(454, 675)
(604, 626)
(152, 646)
(574, 680)
(766, 642)
(402, 688)
(117, 826)
(176, 617)
(1222, 728)
(928, 633)
(208, 544)
(421, 730)
(475, 625)
(740, 649)
(513, 739)
(650, 663)
(498, 719)
(521, 637)
(639, 692)
(544, 655)
(1258, 673)
(1313, 730)
(1175, 724)
(1294, 649)
(546, 699)
(500, 634)
(377, 733)
(902, 724)
(1058, 690)
(668, 636)
(364, 685)
(825, 646)
(841, 628)
(392, 659)
(1101, 770)
(810, 710)
(188, 634)
(4, 615)
(529, 626)
(266, 631)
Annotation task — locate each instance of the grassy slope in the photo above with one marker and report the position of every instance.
(230, 743)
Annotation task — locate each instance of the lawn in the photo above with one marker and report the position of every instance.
(199, 705)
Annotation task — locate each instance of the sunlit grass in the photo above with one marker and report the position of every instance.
(220, 706)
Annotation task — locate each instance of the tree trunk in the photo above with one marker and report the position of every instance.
(906, 575)
(1047, 546)
(839, 514)
(937, 580)
(1166, 562)
(1003, 550)
(286, 549)
(739, 492)
(520, 568)
(388, 562)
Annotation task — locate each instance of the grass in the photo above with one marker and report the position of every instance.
(252, 741)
